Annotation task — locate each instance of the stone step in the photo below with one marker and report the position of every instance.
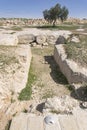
(67, 122)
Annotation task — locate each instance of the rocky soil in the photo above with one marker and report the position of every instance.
(14, 71)
(50, 81)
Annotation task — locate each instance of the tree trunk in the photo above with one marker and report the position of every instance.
(54, 23)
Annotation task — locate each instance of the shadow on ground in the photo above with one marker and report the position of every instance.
(40, 107)
(58, 77)
(55, 73)
(80, 94)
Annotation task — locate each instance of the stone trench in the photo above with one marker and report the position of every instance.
(14, 77)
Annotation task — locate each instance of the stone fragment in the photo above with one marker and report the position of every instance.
(40, 39)
(64, 104)
(51, 39)
(75, 39)
(33, 44)
(61, 40)
(26, 38)
(45, 44)
(8, 40)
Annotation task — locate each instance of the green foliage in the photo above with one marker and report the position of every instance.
(12, 32)
(64, 13)
(25, 111)
(15, 28)
(27, 91)
(69, 87)
(55, 112)
(54, 13)
(59, 27)
(1, 23)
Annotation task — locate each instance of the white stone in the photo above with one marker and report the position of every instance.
(19, 122)
(51, 39)
(35, 123)
(75, 39)
(80, 116)
(33, 44)
(26, 38)
(68, 122)
(8, 40)
(45, 44)
(13, 74)
(64, 104)
(72, 71)
(40, 39)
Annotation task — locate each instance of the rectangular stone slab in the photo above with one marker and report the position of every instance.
(68, 122)
(19, 122)
(81, 118)
(35, 123)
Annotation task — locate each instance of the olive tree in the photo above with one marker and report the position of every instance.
(54, 13)
(64, 13)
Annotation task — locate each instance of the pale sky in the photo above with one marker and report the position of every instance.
(34, 8)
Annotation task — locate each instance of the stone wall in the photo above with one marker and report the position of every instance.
(36, 22)
(41, 37)
(8, 40)
(14, 68)
(72, 71)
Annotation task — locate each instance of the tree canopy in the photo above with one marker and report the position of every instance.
(56, 12)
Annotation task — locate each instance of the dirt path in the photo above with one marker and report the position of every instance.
(50, 82)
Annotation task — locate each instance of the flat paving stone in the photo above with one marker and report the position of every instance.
(77, 121)
(19, 122)
(35, 123)
(67, 122)
(81, 118)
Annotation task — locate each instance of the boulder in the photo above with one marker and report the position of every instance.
(45, 44)
(40, 39)
(64, 104)
(33, 44)
(51, 39)
(75, 39)
(26, 38)
(8, 40)
(61, 40)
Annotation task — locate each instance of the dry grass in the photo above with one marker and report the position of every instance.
(7, 57)
(78, 51)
